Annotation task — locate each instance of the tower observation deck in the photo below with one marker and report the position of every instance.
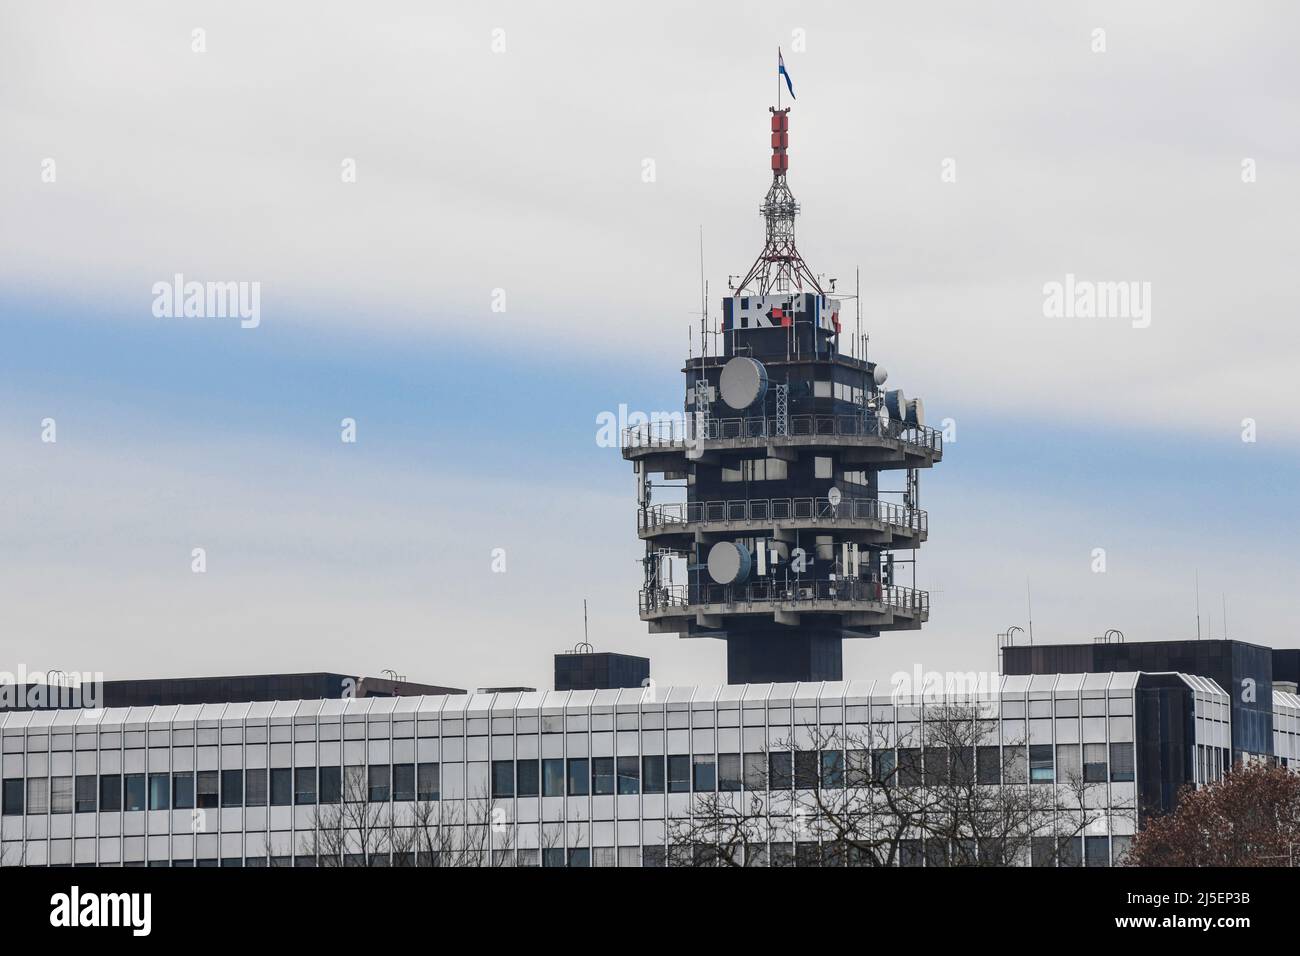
(777, 538)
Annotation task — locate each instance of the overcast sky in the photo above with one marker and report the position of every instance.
(500, 152)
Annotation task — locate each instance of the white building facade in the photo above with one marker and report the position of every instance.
(579, 778)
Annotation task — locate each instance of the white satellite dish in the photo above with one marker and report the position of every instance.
(880, 375)
(743, 382)
(729, 562)
(834, 497)
(916, 412)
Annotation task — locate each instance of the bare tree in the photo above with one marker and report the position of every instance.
(863, 799)
(475, 832)
(721, 829)
(1251, 817)
(353, 831)
(442, 833)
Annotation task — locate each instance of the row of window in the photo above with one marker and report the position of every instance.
(278, 787)
(1044, 851)
(575, 777)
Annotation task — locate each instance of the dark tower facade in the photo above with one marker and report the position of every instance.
(761, 507)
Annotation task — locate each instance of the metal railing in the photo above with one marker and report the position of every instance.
(667, 516)
(814, 594)
(675, 432)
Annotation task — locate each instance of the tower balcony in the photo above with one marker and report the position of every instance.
(851, 605)
(867, 440)
(867, 521)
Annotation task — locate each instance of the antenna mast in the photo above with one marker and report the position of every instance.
(1198, 604)
(779, 267)
(704, 300)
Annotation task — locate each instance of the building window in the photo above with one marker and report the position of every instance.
(135, 792)
(1096, 851)
(1121, 763)
(781, 769)
(1094, 763)
(503, 779)
(805, 769)
(679, 773)
(936, 852)
(553, 777)
(629, 775)
(729, 772)
(160, 785)
(282, 786)
(1119, 849)
(13, 797)
(991, 851)
(580, 856)
(61, 795)
(1068, 769)
(884, 767)
(909, 767)
(354, 784)
(331, 783)
(232, 788)
(963, 766)
(1042, 851)
(182, 791)
(110, 792)
(652, 774)
(380, 783)
(832, 769)
(705, 773)
(255, 789)
(428, 781)
(938, 769)
(1013, 765)
(757, 469)
(86, 793)
(857, 767)
(1070, 851)
(602, 775)
(553, 856)
(304, 785)
(527, 778)
(1040, 763)
(578, 776)
(988, 766)
(755, 771)
(205, 789)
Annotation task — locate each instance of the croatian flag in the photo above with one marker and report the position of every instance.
(781, 71)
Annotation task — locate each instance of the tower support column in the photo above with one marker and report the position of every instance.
(785, 654)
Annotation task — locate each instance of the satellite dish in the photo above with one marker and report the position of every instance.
(743, 382)
(916, 412)
(880, 375)
(729, 562)
(896, 402)
(834, 497)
